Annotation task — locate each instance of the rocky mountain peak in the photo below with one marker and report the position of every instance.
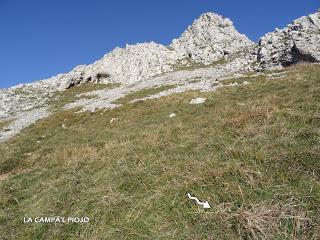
(212, 19)
(209, 39)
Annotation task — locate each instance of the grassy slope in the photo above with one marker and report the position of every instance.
(251, 151)
(71, 95)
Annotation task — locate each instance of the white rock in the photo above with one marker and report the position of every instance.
(172, 115)
(113, 120)
(197, 100)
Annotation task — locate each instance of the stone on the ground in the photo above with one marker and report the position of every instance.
(198, 100)
(112, 120)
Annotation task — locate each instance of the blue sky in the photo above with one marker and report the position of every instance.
(42, 38)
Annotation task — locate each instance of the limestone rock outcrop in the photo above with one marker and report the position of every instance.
(134, 63)
(210, 38)
(298, 42)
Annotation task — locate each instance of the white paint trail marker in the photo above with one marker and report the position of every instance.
(203, 204)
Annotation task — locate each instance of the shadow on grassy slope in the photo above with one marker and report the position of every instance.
(251, 151)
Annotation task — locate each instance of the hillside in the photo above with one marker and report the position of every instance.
(252, 151)
(122, 141)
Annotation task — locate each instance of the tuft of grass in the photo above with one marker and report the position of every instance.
(251, 151)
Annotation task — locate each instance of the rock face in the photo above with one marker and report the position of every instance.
(298, 42)
(210, 38)
(126, 65)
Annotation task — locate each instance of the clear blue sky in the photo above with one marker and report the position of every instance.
(41, 38)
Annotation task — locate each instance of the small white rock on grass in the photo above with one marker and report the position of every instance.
(172, 115)
(197, 100)
(113, 120)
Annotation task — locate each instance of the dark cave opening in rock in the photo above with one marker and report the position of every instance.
(298, 56)
(103, 75)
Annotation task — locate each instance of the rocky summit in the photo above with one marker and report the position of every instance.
(210, 38)
(209, 51)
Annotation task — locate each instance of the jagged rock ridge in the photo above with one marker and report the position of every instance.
(299, 41)
(209, 39)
